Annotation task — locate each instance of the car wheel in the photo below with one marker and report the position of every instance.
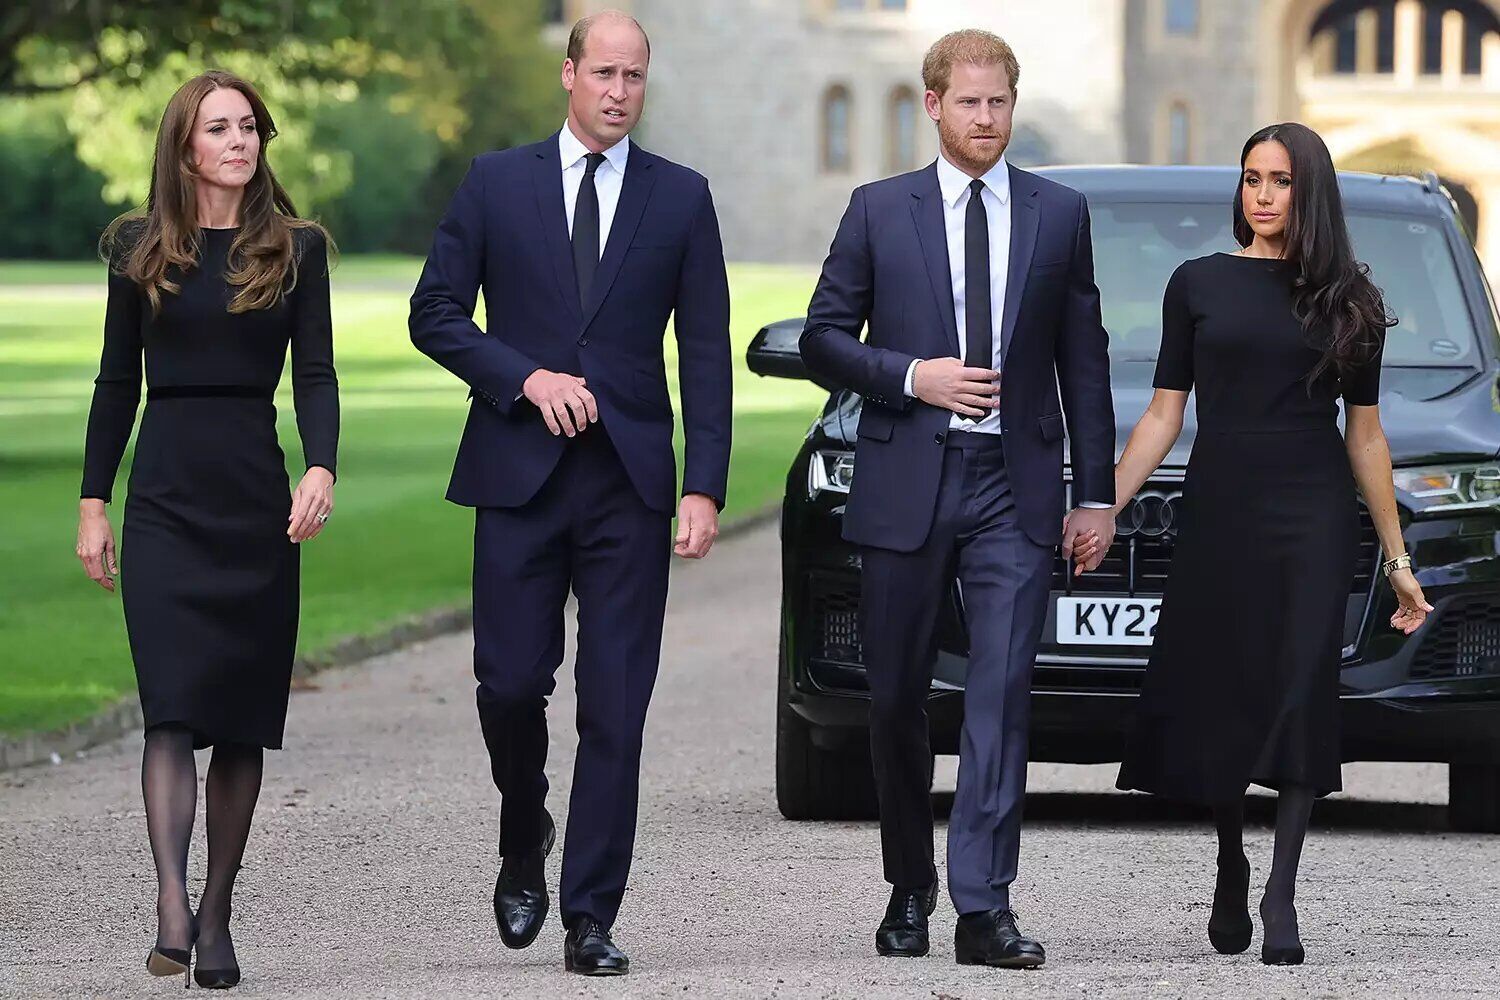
(1474, 797)
(815, 783)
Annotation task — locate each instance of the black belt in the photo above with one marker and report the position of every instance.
(209, 392)
(973, 441)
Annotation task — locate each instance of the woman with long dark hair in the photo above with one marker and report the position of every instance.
(1242, 684)
(209, 285)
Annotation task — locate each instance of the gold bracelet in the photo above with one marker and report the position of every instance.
(1390, 566)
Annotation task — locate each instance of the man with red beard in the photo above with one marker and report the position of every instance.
(976, 281)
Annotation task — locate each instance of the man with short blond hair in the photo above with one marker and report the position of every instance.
(975, 281)
(583, 244)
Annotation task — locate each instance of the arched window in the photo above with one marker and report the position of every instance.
(1179, 134)
(837, 112)
(901, 131)
(1368, 36)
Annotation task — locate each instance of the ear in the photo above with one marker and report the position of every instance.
(569, 71)
(934, 105)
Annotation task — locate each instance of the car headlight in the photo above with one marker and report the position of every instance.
(830, 472)
(1441, 489)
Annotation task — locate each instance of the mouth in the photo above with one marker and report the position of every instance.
(1264, 216)
(616, 115)
(237, 163)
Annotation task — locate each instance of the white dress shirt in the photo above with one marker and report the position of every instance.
(953, 184)
(607, 179)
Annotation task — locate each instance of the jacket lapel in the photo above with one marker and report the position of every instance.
(927, 213)
(635, 191)
(1024, 218)
(547, 183)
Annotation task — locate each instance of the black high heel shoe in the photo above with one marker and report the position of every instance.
(172, 961)
(1229, 927)
(217, 979)
(1288, 950)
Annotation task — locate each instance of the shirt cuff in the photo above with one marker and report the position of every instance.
(911, 378)
(1094, 505)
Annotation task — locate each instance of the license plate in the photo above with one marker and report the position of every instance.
(1106, 621)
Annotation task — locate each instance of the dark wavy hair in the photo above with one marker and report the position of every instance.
(1339, 307)
(145, 245)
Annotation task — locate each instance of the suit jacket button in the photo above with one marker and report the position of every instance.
(583, 341)
(938, 438)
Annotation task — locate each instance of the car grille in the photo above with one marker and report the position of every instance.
(1465, 642)
(1146, 535)
(835, 619)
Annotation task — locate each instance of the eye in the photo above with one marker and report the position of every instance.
(1285, 182)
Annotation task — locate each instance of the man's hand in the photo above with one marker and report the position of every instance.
(697, 526)
(1088, 533)
(566, 405)
(946, 383)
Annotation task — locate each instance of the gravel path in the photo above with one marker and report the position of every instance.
(370, 868)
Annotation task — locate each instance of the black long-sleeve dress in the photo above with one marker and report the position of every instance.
(208, 577)
(1242, 683)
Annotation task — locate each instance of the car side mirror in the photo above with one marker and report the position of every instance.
(775, 351)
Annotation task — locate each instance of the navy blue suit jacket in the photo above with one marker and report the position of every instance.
(888, 267)
(506, 232)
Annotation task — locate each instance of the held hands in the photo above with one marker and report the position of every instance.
(566, 405)
(96, 544)
(946, 383)
(1414, 607)
(697, 526)
(312, 502)
(1088, 533)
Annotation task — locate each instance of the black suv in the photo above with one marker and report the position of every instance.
(1433, 696)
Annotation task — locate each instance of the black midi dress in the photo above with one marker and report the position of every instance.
(208, 576)
(1242, 683)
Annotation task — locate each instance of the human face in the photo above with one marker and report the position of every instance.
(974, 117)
(225, 145)
(1266, 190)
(607, 87)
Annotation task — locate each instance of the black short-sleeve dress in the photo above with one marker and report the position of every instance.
(208, 577)
(1242, 683)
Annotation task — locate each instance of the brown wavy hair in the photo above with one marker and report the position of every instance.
(146, 244)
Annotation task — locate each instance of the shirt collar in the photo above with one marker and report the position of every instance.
(952, 181)
(571, 150)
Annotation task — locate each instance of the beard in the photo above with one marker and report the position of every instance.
(967, 154)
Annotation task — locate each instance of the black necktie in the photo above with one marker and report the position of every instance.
(586, 229)
(979, 334)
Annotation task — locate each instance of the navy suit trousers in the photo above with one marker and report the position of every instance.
(1003, 577)
(588, 531)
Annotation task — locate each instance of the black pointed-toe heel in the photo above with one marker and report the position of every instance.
(217, 979)
(164, 962)
(1229, 926)
(1282, 956)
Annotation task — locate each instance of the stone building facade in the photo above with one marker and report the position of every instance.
(786, 105)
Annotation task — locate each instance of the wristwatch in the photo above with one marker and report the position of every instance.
(1403, 561)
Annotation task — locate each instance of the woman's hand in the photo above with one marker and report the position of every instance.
(96, 544)
(312, 502)
(1414, 607)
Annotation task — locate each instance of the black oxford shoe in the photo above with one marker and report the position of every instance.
(521, 899)
(588, 951)
(991, 937)
(903, 932)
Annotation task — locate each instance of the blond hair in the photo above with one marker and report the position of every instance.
(973, 46)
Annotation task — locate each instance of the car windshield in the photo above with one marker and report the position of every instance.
(1137, 246)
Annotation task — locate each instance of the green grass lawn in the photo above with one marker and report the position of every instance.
(395, 548)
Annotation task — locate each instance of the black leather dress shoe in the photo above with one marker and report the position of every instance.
(903, 932)
(521, 899)
(588, 951)
(991, 937)
(1229, 927)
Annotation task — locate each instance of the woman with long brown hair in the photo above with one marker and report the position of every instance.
(210, 284)
(1243, 682)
